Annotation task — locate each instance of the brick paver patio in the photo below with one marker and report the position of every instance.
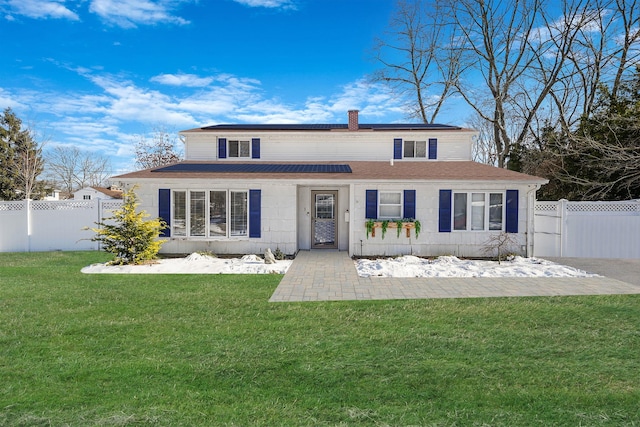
(326, 275)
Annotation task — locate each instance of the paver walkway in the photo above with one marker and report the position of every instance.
(326, 275)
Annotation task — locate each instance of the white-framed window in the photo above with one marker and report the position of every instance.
(415, 149)
(478, 211)
(86, 197)
(239, 148)
(210, 213)
(390, 205)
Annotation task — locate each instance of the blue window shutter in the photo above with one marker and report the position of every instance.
(433, 148)
(444, 212)
(255, 215)
(511, 225)
(222, 148)
(409, 210)
(372, 204)
(397, 148)
(255, 148)
(164, 210)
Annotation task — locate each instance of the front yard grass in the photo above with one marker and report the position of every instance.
(211, 350)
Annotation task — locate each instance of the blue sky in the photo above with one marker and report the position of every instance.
(97, 73)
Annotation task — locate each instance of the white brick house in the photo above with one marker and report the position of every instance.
(246, 188)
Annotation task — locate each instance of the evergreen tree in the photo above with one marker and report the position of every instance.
(127, 235)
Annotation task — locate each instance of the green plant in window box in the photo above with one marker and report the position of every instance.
(418, 227)
(399, 224)
(385, 225)
(369, 225)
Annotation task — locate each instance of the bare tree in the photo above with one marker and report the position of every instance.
(420, 58)
(519, 51)
(605, 49)
(600, 159)
(159, 150)
(28, 166)
(74, 169)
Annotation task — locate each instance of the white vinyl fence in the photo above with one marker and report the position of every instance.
(36, 225)
(587, 229)
(569, 229)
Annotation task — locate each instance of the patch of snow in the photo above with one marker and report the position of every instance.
(196, 263)
(451, 266)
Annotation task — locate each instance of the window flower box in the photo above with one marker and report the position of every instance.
(399, 225)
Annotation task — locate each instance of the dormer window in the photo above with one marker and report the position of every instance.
(239, 149)
(411, 149)
(415, 149)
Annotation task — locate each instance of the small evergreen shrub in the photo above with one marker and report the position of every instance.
(128, 235)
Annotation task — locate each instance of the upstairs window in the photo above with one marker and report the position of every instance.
(239, 149)
(415, 149)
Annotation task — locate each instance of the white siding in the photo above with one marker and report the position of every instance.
(431, 242)
(330, 146)
(200, 149)
(277, 223)
(286, 219)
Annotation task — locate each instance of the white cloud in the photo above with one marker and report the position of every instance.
(10, 100)
(285, 4)
(131, 13)
(127, 102)
(39, 9)
(188, 80)
(107, 118)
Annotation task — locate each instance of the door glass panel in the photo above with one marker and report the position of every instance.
(324, 206)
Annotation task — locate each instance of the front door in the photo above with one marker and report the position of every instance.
(324, 228)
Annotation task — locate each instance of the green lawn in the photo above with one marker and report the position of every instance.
(190, 350)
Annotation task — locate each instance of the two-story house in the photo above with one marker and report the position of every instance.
(245, 188)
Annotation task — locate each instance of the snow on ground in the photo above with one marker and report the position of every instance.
(404, 266)
(450, 266)
(197, 264)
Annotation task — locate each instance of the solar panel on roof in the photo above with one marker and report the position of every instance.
(328, 126)
(255, 168)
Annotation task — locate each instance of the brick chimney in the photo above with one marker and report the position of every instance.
(353, 120)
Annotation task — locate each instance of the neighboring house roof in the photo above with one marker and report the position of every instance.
(345, 171)
(323, 127)
(116, 194)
